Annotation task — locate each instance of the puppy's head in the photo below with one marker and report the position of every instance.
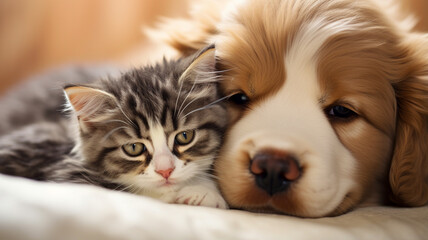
(330, 104)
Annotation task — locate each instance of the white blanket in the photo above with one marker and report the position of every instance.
(34, 210)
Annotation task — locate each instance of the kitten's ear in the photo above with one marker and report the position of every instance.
(202, 66)
(89, 104)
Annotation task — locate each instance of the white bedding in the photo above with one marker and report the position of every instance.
(35, 210)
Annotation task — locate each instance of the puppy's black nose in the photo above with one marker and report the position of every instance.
(274, 170)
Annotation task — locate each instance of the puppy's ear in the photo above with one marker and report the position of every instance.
(408, 175)
(89, 104)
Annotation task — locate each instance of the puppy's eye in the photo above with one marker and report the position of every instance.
(239, 99)
(134, 149)
(184, 138)
(339, 111)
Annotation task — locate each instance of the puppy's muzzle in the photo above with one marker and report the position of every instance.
(274, 171)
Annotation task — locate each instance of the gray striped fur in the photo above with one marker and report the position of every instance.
(57, 148)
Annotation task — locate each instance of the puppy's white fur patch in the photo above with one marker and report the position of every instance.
(305, 132)
(330, 166)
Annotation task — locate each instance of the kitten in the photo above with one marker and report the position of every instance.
(154, 131)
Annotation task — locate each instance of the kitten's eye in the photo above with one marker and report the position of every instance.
(185, 137)
(239, 98)
(339, 111)
(134, 149)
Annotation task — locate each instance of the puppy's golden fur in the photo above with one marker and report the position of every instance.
(297, 60)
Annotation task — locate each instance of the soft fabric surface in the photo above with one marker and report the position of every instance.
(35, 210)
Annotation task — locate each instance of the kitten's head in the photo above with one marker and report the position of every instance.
(154, 128)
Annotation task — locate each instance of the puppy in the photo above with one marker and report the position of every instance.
(330, 99)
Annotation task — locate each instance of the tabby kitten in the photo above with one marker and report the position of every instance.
(154, 131)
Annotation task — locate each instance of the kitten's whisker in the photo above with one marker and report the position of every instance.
(111, 132)
(117, 120)
(126, 116)
(215, 72)
(178, 96)
(179, 114)
(213, 176)
(215, 77)
(204, 177)
(119, 187)
(211, 79)
(85, 175)
(207, 106)
(131, 187)
(196, 110)
(188, 94)
(136, 189)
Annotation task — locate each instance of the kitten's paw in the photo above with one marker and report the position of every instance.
(200, 196)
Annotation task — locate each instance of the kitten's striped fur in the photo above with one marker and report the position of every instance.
(147, 107)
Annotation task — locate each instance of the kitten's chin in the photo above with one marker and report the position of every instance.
(141, 186)
(167, 184)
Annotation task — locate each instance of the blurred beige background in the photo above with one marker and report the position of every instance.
(39, 34)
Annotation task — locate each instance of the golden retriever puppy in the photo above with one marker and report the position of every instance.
(330, 99)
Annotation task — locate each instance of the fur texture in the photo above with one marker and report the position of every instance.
(340, 85)
(153, 131)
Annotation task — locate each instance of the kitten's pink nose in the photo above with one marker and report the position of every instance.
(165, 173)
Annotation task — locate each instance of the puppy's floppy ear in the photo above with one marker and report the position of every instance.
(89, 104)
(408, 175)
